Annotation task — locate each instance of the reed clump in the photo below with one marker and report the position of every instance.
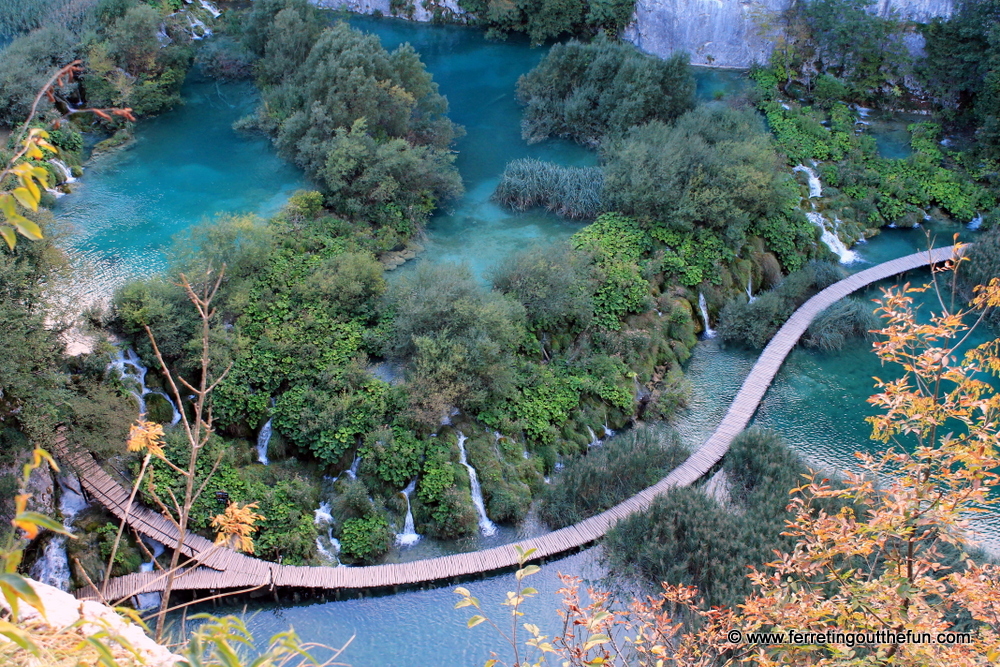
(572, 192)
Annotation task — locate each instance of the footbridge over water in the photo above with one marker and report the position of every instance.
(222, 569)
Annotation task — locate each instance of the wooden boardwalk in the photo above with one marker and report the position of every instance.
(224, 569)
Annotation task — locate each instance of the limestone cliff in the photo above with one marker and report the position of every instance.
(726, 33)
(409, 9)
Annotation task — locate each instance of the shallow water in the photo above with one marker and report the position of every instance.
(421, 626)
(185, 166)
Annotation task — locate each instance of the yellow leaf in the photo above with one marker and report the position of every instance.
(23, 195)
(28, 228)
(9, 236)
(475, 620)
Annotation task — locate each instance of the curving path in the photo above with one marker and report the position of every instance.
(222, 569)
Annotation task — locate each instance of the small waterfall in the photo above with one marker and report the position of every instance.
(263, 440)
(815, 186)
(53, 567)
(210, 8)
(703, 308)
(144, 601)
(352, 472)
(831, 239)
(409, 536)
(750, 297)
(67, 173)
(608, 432)
(323, 519)
(130, 369)
(594, 441)
(486, 526)
(976, 222)
(196, 25)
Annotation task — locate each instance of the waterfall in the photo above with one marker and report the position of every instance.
(323, 519)
(750, 297)
(830, 238)
(594, 442)
(210, 8)
(709, 331)
(486, 526)
(815, 186)
(144, 601)
(197, 24)
(53, 567)
(976, 222)
(608, 432)
(67, 174)
(352, 472)
(409, 536)
(263, 440)
(130, 369)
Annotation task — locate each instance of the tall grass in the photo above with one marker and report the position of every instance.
(620, 468)
(572, 192)
(849, 318)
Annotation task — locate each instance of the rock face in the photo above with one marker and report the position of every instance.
(726, 33)
(63, 610)
(414, 10)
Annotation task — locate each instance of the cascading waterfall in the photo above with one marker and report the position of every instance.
(409, 536)
(53, 567)
(486, 526)
(122, 362)
(210, 8)
(815, 186)
(67, 173)
(144, 601)
(750, 297)
(196, 25)
(594, 440)
(323, 519)
(703, 308)
(263, 440)
(830, 238)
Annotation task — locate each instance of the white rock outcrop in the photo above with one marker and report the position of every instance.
(63, 610)
(727, 33)
(420, 13)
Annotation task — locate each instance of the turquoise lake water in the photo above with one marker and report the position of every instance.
(187, 165)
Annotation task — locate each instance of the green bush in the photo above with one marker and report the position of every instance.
(572, 192)
(753, 324)
(618, 469)
(587, 91)
(25, 66)
(367, 124)
(687, 538)
(554, 285)
(365, 539)
(542, 20)
(617, 244)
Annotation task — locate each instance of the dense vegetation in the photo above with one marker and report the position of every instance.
(369, 126)
(542, 20)
(688, 537)
(572, 192)
(611, 472)
(135, 54)
(585, 91)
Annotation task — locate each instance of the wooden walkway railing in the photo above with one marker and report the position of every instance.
(224, 569)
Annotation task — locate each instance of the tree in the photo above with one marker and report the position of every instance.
(587, 91)
(874, 562)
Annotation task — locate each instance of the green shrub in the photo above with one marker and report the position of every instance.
(542, 20)
(25, 66)
(572, 192)
(716, 169)
(621, 467)
(554, 284)
(365, 539)
(753, 324)
(587, 91)
(687, 538)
